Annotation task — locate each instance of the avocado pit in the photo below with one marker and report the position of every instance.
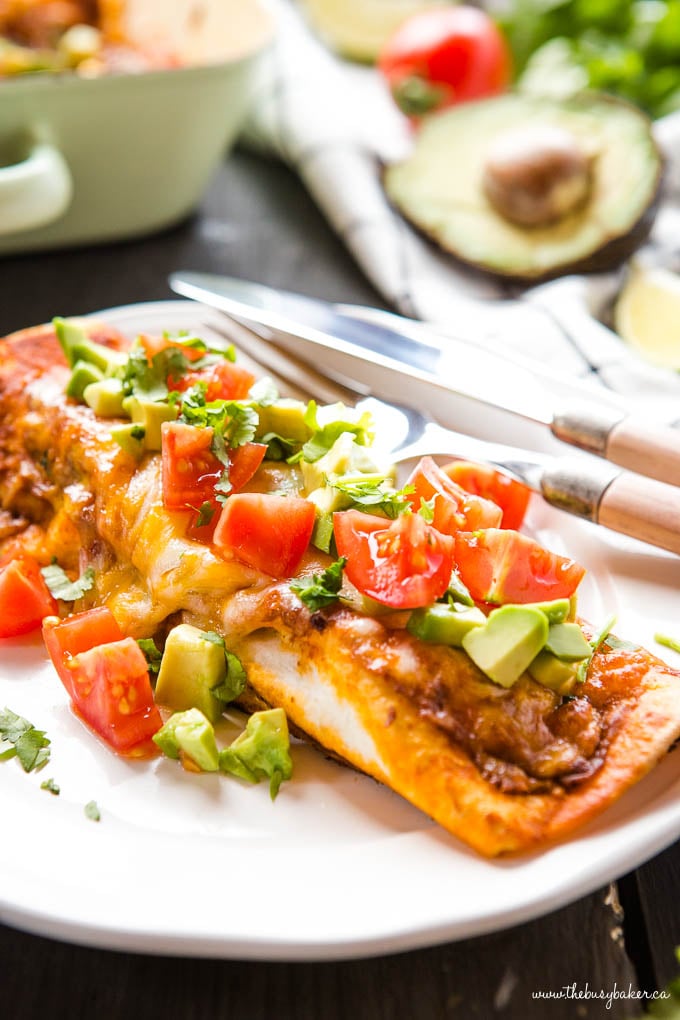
(534, 176)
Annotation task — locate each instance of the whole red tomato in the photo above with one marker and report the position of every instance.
(445, 56)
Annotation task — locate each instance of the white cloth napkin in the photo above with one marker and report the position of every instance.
(334, 123)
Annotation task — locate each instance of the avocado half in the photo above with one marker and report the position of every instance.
(439, 186)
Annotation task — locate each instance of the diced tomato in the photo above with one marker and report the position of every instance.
(107, 678)
(224, 381)
(190, 469)
(483, 480)
(403, 563)
(267, 532)
(454, 508)
(66, 638)
(25, 599)
(153, 345)
(500, 566)
(243, 463)
(112, 693)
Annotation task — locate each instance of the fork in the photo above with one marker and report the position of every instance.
(582, 485)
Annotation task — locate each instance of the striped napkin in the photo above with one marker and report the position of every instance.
(335, 124)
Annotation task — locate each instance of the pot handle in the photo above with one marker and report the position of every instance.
(36, 191)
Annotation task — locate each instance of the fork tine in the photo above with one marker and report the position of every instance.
(292, 371)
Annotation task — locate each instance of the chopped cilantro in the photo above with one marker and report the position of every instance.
(426, 509)
(236, 679)
(29, 745)
(137, 432)
(62, 587)
(92, 811)
(51, 787)
(141, 379)
(151, 653)
(279, 447)
(320, 590)
(324, 436)
(205, 512)
(375, 496)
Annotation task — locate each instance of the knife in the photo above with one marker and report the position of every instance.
(580, 485)
(434, 369)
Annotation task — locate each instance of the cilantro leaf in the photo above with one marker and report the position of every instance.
(426, 508)
(92, 811)
(206, 512)
(51, 787)
(30, 746)
(236, 679)
(324, 436)
(151, 653)
(320, 590)
(62, 587)
(279, 447)
(376, 495)
(141, 379)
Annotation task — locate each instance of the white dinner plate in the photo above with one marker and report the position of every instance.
(337, 866)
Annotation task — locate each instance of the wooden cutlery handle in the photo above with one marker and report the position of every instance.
(631, 442)
(642, 508)
(652, 450)
(631, 504)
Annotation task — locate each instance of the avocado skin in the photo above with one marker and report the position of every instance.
(613, 251)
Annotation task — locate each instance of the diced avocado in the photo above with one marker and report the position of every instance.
(323, 535)
(285, 418)
(190, 733)
(78, 347)
(344, 457)
(507, 643)
(261, 751)
(191, 667)
(69, 334)
(567, 642)
(150, 415)
(445, 624)
(130, 438)
(83, 375)
(557, 611)
(105, 397)
(330, 497)
(327, 500)
(106, 360)
(552, 672)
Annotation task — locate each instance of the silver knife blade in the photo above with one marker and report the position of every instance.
(433, 372)
(377, 342)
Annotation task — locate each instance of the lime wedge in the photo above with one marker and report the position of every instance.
(647, 315)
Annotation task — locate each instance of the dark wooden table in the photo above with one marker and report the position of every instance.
(257, 222)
